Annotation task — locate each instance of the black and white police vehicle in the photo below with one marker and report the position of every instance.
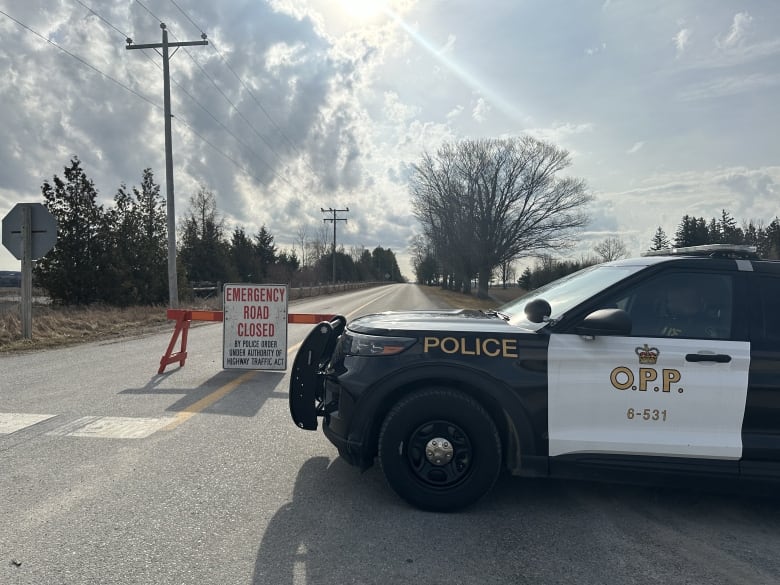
(666, 365)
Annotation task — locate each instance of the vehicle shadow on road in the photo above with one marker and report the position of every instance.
(245, 400)
(343, 526)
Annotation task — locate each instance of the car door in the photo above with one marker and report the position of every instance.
(675, 387)
(761, 428)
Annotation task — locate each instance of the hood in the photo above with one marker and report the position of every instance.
(406, 322)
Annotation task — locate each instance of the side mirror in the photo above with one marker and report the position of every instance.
(537, 310)
(605, 322)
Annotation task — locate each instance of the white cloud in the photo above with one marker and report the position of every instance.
(481, 109)
(455, 112)
(737, 32)
(635, 148)
(681, 40)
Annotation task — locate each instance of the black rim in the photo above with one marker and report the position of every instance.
(440, 476)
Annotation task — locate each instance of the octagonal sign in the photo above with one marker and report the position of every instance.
(43, 228)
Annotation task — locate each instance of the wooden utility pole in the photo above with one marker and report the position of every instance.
(334, 219)
(173, 286)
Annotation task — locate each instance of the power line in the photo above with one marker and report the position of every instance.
(142, 5)
(249, 91)
(229, 101)
(187, 16)
(103, 19)
(227, 156)
(179, 119)
(82, 61)
(189, 127)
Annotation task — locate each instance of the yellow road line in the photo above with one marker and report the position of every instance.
(210, 399)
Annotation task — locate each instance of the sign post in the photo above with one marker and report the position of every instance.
(255, 327)
(29, 232)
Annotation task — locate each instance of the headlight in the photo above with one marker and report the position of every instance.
(359, 344)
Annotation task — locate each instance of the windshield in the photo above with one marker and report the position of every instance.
(567, 292)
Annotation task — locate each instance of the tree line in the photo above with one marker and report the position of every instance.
(691, 231)
(118, 254)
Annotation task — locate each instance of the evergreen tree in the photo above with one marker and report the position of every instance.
(773, 240)
(701, 234)
(151, 275)
(122, 229)
(660, 241)
(525, 279)
(685, 232)
(70, 272)
(287, 265)
(204, 252)
(242, 252)
(345, 267)
(365, 267)
(138, 245)
(714, 235)
(692, 231)
(754, 235)
(265, 252)
(385, 265)
(730, 232)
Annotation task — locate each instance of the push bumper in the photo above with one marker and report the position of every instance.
(306, 381)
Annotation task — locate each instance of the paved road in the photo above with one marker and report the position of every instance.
(111, 473)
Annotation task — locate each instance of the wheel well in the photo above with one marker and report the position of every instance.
(510, 439)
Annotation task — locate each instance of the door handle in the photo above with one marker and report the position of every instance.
(720, 358)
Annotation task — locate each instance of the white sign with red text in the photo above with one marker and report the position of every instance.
(255, 327)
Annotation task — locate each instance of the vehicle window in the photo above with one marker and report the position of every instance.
(679, 305)
(769, 292)
(568, 292)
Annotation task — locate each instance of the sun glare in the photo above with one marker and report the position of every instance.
(362, 10)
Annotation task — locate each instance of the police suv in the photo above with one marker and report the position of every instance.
(666, 365)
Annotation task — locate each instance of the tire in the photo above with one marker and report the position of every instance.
(440, 450)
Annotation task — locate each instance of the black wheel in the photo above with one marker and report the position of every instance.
(440, 450)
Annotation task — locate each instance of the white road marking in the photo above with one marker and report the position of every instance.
(10, 422)
(112, 427)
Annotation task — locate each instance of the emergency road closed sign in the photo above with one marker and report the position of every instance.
(255, 327)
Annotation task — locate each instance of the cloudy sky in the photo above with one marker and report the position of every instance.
(667, 107)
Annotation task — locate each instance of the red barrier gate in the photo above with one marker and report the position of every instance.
(184, 317)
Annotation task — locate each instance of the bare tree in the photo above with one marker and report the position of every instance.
(356, 252)
(302, 241)
(506, 272)
(320, 244)
(485, 202)
(610, 249)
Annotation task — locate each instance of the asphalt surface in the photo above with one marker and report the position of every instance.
(119, 475)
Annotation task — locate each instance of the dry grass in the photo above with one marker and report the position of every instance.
(60, 326)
